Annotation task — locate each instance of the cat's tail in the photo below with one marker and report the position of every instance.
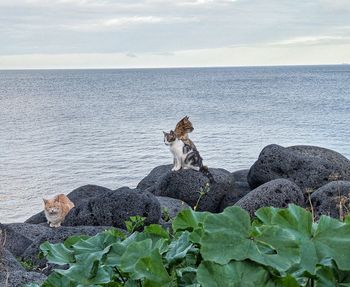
(205, 170)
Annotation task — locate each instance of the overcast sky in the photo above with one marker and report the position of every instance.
(172, 33)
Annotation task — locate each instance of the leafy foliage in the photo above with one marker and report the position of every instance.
(282, 247)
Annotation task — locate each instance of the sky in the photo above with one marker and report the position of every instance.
(172, 33)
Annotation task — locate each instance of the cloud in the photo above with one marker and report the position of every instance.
(117, 23)
(312, 41)
(165, 27)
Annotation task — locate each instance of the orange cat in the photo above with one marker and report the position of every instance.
(56, 209)
(183, 127)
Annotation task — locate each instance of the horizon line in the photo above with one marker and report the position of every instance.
(171, 67)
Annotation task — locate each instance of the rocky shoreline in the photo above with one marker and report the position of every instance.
(309, 176)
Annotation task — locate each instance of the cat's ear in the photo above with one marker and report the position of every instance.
(45, 200)
(164, 133)
(187, 117)
(172, 132)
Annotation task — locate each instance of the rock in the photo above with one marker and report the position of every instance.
(113, 208)
(32, 235)
(240, 189)
(78, 196)
(309, 167)
(13, 274)
(96, 205)
(9, 262)
(153, 177)
(20, 278)
(185, 185)
(241, 176)
(326, 199)
(170, 207)
(276, 193)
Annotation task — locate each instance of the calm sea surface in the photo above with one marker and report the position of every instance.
(60, 129)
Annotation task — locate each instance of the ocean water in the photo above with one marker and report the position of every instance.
(61, 129)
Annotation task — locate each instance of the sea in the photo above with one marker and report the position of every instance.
(61, 129)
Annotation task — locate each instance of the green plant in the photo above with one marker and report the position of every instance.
(165, 214)
(202, 192)
(281, 247)
(27, 264)
(135, 223)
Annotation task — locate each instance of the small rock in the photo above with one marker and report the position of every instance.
(326, 199)
(276, 193)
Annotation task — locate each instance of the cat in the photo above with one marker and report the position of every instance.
(185, 156)
(183, 127)
(56, 209)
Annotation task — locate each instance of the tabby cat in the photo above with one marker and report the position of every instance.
(56, 209)
(183, 127)
(185, 156)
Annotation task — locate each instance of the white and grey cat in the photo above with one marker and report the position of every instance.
(185, 156)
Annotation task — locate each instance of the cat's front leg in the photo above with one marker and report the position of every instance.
(55, 225)
(177, 165)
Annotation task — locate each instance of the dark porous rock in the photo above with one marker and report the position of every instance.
(310, 167)
(78, 196)
(97, 205)
(21, 278)
(154, 176)
(241, 176)
(326, 199)
(113, 208)
(240, 189)
(13, 274)
(9, 262)
(276, 193)
(185, 185)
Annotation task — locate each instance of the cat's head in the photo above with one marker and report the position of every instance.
(184, 125)
(169, 137)
(52, 206)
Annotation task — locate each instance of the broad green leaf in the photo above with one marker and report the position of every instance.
(178, 248)
(151, 268)
(132, 283)
(276, 248)
(226, 236)
(87, 274)
(133, 253)
(57, 253)
(233, 274)
(58, 280)
(187, 276)
(332, 240)
(114, 255)
(70, 241)
(116, 233)
(298, 223)
(156, 229)
(188, 219)
(287, 281)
